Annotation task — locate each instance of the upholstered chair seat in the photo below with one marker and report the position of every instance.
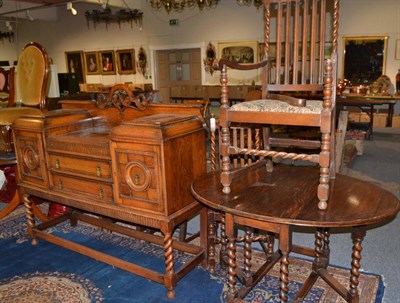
(268, 105)
(10, 114)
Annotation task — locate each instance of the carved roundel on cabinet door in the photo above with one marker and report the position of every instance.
(137, 175)
(30, 157)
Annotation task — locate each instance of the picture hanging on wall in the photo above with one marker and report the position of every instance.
(74, 63)
(92, 63)
(240, 52)
(107, 59)
(126, 61)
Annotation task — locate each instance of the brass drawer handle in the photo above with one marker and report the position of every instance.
(58, 162)
(60, 184)
(101, 193)
(98, 171)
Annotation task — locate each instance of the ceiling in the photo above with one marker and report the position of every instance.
(46, 2)
(40, 9)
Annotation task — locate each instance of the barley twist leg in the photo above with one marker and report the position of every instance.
(170, 276)
(211, 246)
(223, 251)
(358, 236)
(284, 277)
(247, 256)
(232, 291)
(30, 217)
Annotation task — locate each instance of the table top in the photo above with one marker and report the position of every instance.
(288, 196)
(360, 99)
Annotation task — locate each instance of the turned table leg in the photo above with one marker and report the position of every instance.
(30, 216)
(284, 277)
(358, 235)
(230, 234)
(285, 242)
(247, 275)
(211, 239)
(224, 248)
(170, 276)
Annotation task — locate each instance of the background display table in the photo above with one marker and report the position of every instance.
(368, 104)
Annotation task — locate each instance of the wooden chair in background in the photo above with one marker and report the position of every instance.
(301, 91)
(7, 90)
(204, 103)
(31, 83)
(7, 98)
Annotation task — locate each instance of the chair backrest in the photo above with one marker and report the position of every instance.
(32, 75)
(7, 89)
(303, 37)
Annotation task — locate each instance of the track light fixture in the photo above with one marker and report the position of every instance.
(179, 6)
(105, 4)
(71, 8)
(9, 26)
(28, 15)
(257, 3)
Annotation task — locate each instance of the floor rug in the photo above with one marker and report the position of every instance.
(48, 273)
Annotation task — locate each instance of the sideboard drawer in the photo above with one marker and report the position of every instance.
(97, 190)
(92, 168)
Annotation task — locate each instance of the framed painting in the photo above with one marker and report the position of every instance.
(74, 63)
(92, 65)
(240, 52)
(107, 59)
(126, 61)
(364, 58)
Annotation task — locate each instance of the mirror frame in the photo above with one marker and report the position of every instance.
(364, 40)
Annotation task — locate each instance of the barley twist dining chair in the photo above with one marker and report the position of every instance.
(298, 89)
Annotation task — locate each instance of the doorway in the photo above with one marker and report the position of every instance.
(177, 68)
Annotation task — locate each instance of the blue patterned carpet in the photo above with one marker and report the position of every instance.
(48, 273)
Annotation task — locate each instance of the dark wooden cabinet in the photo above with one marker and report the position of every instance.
(155, 159)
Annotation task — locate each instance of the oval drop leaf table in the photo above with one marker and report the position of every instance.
(276, 202)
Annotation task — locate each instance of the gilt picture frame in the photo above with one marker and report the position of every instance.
(74, 63)
(364, 58)
(92, 63)
(245, 52)
(107, 61)
(126, 61)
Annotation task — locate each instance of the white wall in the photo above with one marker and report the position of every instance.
(228, 22)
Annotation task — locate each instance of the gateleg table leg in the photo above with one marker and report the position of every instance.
(284, 247)
(230, 233)
(224, 245)
(247, 276)
(358, 235)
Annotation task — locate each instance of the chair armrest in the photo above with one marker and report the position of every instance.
(288, 99)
